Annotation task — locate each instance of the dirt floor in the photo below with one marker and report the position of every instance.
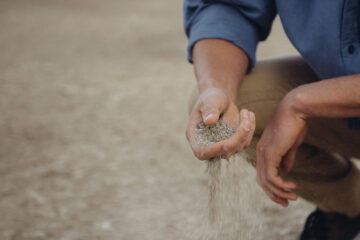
(93, 102)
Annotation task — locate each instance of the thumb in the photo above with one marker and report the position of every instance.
(213, 103)
(210, 115)
(288, 162)
(289, 159)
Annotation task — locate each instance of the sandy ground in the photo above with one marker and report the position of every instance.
(93, 104)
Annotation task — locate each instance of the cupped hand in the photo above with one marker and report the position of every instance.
(213, 104)
(277, 149)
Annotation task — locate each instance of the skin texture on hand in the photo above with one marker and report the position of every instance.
(219, 64)
(220, 67)
(284, 133)
(212, 104)
(331, 98)
(276, 151)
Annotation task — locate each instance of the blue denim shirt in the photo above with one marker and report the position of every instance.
(325, 32)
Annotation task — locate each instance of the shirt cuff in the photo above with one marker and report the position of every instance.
(224, 22)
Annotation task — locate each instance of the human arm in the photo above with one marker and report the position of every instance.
(222, 42)
(332, 98)
(219, 68)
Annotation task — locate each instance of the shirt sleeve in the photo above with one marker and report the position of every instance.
(242, 22)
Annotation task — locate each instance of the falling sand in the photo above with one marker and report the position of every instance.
(205, 136)
(227, 201)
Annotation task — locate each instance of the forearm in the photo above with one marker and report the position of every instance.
(219, 64)
(333, 98)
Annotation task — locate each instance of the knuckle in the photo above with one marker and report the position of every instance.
(274, 181)
(208, 106)
(229, 146)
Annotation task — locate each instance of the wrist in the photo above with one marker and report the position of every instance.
(228, 89)
(294, 102)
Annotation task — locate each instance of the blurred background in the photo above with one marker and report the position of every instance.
(93, 107)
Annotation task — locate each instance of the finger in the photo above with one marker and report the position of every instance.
(195, 119)
(281, 193)
(218, 149)
(252, 129)
(224, 148)
(214, 150)
(210, 116)
(275, 198)
(237, 141)
(271, 173)
(245, 122)
(278, 182)
(260, 172)
(289, 160)
(211, 110)
(261, 178)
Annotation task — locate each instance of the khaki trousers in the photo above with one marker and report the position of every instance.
(322, 172)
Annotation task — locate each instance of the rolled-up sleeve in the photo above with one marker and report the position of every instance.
(241, 22)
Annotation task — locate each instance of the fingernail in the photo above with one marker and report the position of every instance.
(210, 115)
(226, 147)
(252, 116)
(244, 114)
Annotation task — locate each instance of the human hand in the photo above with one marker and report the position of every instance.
(277, 149)
(212, 105)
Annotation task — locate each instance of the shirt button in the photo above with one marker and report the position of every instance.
(351, 49)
